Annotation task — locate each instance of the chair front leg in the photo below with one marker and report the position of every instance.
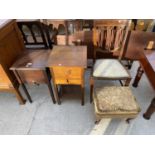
(127, 82)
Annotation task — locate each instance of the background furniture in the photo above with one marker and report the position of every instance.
(67, 66)
(30, 68)
(33, 33)
(68, 31)
(11, 46)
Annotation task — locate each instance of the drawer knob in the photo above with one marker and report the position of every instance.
(69, 72)
(29, 64)
(35, 83)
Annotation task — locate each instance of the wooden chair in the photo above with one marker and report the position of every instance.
(87, 24)
(111, 36)
(33, 33)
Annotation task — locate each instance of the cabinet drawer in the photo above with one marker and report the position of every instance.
(68, 81)
(4, 80)
(32, 76)
(67, 72)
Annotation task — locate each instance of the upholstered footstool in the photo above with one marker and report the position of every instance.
(115, 102)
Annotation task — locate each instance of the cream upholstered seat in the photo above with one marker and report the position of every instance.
(115, 101)
(109, 68)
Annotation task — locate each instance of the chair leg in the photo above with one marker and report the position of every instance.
(19, 96)
(138, 76)
(121, 82)
(129, 65)
(127, 82)
(91, 88)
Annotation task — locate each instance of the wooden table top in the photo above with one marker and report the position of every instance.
(4, 22)
(73, 56)
(150, 55)
(148, 63)
(32, 60)
(137, 42)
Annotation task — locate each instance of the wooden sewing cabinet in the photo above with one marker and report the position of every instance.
(67, 65)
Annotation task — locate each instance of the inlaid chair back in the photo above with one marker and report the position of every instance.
(110, 35)
(33, 34)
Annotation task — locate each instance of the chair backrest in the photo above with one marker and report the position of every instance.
(111, 35)
(33, 34)
(87, 24)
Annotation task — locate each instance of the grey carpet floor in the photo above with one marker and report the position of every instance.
(44, 117)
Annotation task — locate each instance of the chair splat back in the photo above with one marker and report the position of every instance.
(110, 35)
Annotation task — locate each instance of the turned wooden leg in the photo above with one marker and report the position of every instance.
(91, 88)
(150, 110)
(82, 95)
(138, 76)
(19, 96)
